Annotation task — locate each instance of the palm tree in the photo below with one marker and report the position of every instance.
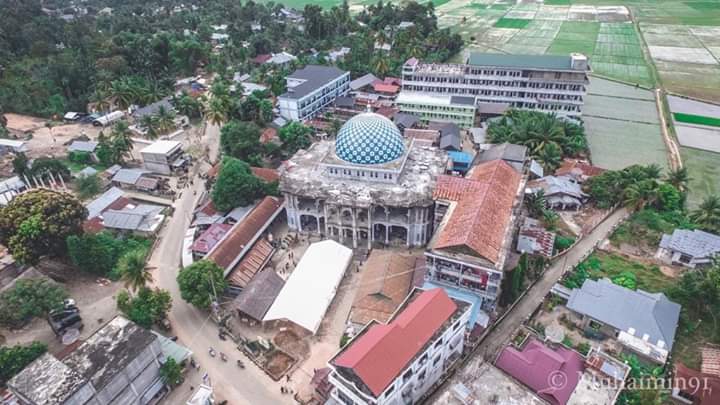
(381, 66)
(549, 157)
(678, 178)
(133, 270)
(536, 203)
(545, 130)
(641, 194)
(216, 111)
(124, 92)
(707, 215)
(121, 139)
(165, 119)
(653, 171)
(150, 123)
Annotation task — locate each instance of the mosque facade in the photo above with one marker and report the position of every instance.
(368, 186)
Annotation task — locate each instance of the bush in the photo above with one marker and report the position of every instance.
(14, 359)
(146, 308)
(344, 340)
(83, 158)
(583, 348)
(29, 298)
(563, 242)
(626, 279)
(99, 253)
(201, 281)
(171, 372)
(88, 186)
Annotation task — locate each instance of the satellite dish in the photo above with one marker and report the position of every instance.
(70, 336)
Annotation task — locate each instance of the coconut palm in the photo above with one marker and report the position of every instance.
(121, 140)
(149, 122)
(707, 215)
(536, 203)
(381, 66)
(641, 194)
(133, 270)
(544, 130)
(549, 157)
(217, 110)
(165, 119)
(678, 178)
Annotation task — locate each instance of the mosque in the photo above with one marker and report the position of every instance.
(371, 185)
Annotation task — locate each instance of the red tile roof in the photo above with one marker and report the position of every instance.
(552, 374)
(379, 355)
(705, 392)
(93, 225)
(265, 174)
(393, 80)
(260, 59)
(385, 88)
(205, 242)
(244, 232)
(480, 219)
(572, 166)
(452, 188)
(387, 112)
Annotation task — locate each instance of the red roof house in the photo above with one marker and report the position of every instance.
(480, 219)
(385, 88)
(378, 356)
(260, 59)
(265, 174)
(552, 373)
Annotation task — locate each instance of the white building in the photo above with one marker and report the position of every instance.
(397, 363)
(162, 156)
(311, 89)
(310, 289)
(545, 83)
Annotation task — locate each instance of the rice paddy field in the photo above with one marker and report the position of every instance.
(622, 126)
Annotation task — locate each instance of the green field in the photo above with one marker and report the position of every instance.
(697, 119)
(704, 170)
(512, 23)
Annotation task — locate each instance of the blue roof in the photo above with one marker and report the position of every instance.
(458, 294)
(369, 138)
(460, 157)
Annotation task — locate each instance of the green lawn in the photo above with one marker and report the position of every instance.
(697, 119)
(512, 23)
(557, 2)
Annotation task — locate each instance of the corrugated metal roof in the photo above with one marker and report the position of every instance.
(544, 62)
(625, 309)
(315, 77)
(98, 205)
(82, 146)
(129, 176)
(259, 294)
(695, 243)
(363, 81)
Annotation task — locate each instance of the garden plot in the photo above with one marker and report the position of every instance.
(697, 137)
(622, 125)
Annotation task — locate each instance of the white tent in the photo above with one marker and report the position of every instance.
(311, 287)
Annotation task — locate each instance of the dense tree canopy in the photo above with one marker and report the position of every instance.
(200, 282)
(295, 136)
(549, 138)
(38, 222)
(14, 358)
(29, 298)
(236, 186)
(241, 140)
(146, 308)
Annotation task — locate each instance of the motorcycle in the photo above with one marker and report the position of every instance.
(240, 364)
(211, 352)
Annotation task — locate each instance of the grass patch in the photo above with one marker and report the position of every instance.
(564, 47)
(76, 167)
(600, 264)
(518, 23)
(647, 227)
(557, 2)
(697, 119)
(580, 26)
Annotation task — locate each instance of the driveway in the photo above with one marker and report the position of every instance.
(193, 327)
(500, 335)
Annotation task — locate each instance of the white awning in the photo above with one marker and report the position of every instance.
(311, 287)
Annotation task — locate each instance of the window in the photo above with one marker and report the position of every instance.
(407, 375)
(344, 398)
(456, 326)
(437, 358)
(389, 391)
(438, 343)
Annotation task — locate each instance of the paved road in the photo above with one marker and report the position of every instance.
(502, 332)
(193, 328)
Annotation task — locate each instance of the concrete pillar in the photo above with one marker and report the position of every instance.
(370, 228)
(407, 236)
(317, 219)
(354, 227)
(325, 211)
(387, 234)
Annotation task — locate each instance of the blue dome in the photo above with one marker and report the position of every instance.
(368, 139)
